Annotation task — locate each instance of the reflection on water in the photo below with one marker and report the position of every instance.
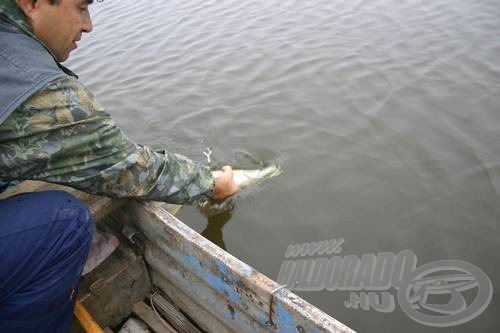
(213, 230)
(383, 113)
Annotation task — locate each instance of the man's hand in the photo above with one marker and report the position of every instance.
(224, 184)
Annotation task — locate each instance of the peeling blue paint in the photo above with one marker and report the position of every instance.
(247, 271)
(224, 271)
(192, 262)
(285, 319)
(222, 287)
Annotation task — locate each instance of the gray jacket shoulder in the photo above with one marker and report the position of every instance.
(25, 67)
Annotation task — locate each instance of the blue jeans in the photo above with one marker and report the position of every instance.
(44, 241)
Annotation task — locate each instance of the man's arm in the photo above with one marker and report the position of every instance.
(63, 135)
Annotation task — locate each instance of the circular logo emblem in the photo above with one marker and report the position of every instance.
(415, 289)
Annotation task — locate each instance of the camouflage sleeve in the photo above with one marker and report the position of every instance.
(62, 135)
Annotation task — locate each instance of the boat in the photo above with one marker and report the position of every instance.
(165, 277)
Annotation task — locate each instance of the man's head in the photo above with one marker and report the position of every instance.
(59, 24)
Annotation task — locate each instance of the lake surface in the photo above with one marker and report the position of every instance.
(384, 115)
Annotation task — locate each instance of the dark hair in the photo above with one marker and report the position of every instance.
(56, 2)
(52, 2)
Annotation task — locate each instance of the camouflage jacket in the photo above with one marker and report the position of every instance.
(62, 134)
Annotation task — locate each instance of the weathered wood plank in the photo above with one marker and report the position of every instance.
(157, 324)
(189, 304)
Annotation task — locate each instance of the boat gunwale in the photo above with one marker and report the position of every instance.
(198, 267)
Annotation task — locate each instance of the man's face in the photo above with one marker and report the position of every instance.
(61, 26)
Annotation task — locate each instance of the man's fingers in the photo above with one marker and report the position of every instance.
(224, 184)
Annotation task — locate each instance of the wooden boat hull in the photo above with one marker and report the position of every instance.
(218, 291)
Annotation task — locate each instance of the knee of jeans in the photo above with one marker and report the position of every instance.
(72, 208)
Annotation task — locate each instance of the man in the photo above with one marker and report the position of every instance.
(53, 129)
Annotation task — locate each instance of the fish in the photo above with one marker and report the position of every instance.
(249, 177)
(245, 179)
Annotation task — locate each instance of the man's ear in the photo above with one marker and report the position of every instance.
(27, 6)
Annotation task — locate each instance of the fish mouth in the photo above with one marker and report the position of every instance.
(273, 170)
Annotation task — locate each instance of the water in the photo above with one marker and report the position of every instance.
(384, 115)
